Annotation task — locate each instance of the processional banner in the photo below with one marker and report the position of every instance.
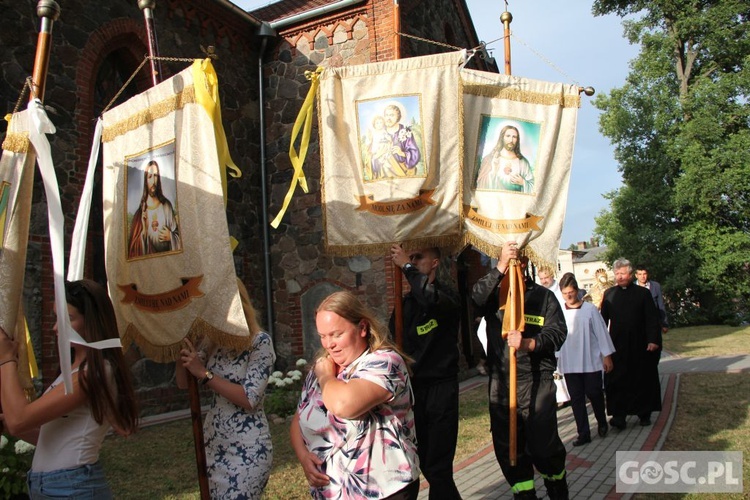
(168, 256)
(16, 186)
(519, 136)
(391, 158)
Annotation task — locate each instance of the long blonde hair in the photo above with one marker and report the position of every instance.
(251, 318)
(349, 307)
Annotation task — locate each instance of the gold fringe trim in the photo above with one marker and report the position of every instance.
(150, 114)
(382, 248)
(514, 94)
(492, 250)
(198, 330)
(17, 142)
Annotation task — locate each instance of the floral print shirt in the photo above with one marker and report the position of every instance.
(375, 455)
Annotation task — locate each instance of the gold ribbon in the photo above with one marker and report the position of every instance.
(206, 84)
(304, 122)
(166, 301)
(398, 207)
(503, 226)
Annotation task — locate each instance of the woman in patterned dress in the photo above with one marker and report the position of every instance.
(236, 432)
(353, 432)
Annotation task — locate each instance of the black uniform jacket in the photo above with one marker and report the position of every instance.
(545, 323)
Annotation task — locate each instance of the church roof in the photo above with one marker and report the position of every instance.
(288, 8)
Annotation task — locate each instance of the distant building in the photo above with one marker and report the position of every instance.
(583, 262)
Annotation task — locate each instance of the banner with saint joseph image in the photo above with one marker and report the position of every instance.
(390, 140)
(168, 257)
(519, 136)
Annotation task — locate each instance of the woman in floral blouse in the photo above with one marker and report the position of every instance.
(353, 432)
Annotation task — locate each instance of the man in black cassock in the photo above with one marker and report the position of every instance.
(633, 386)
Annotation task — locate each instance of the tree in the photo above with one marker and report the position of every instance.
(681, 129)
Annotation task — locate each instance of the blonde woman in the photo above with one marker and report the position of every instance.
(353, 432)
(236, 432)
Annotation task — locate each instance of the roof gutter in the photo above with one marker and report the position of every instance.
(304, 16)
(243, 14)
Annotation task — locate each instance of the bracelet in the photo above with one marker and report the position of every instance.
(9, 361)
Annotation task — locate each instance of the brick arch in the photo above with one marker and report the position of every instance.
(125, 35)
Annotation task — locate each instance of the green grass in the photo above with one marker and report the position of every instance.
(713, 414)
(708, 340)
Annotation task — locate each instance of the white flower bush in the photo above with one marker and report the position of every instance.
(15, 461)
(284, 391)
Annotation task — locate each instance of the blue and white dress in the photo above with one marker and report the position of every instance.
(238, 441)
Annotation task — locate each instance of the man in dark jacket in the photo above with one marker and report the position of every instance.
(430, 337)
(539, 444)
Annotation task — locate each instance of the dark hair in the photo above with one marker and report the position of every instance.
(115, 403)
(641, 267)
(568, 279)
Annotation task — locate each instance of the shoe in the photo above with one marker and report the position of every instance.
(580, 441)
(617, 423)
(525, 495)
(603, 430)
(645, 421)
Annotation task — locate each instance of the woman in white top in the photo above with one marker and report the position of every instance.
(68, 429)
(586, 352)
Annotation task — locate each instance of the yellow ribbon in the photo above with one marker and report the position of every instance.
(206, 85)
(304, 119)
(207, 95)
(33, 368)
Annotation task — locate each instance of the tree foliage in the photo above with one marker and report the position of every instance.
(681, 129)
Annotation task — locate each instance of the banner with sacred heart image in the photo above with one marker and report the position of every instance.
(391, 157)
(519, 136)
(168, 256)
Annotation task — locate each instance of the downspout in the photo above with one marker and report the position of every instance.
(265, 32)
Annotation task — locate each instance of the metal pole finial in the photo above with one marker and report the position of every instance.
(49, 9)
(146, 4)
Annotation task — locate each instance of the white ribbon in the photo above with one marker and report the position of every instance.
(39, 127)
(78, 243)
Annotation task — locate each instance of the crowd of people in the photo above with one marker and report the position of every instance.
(373, 414)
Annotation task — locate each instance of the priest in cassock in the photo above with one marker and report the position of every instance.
(632, 387)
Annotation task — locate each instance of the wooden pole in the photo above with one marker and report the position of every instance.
(398, 275)
(147, 6)
(48, 11)
(512, 390)
(506, 18)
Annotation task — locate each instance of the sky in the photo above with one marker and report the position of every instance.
(561, 42)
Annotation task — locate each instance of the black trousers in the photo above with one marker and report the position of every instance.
(580, 387)
(539, 444)
(436, 422)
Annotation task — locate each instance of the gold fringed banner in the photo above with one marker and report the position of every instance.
(16, 186)
(170, 268)
(519, 136)
(391, 154)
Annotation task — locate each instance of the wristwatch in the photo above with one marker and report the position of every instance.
(207, 378)
(408, 266)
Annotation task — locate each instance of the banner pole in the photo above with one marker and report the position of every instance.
(148, 6)
(506, 18)
(49, 12)
(398, 274)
